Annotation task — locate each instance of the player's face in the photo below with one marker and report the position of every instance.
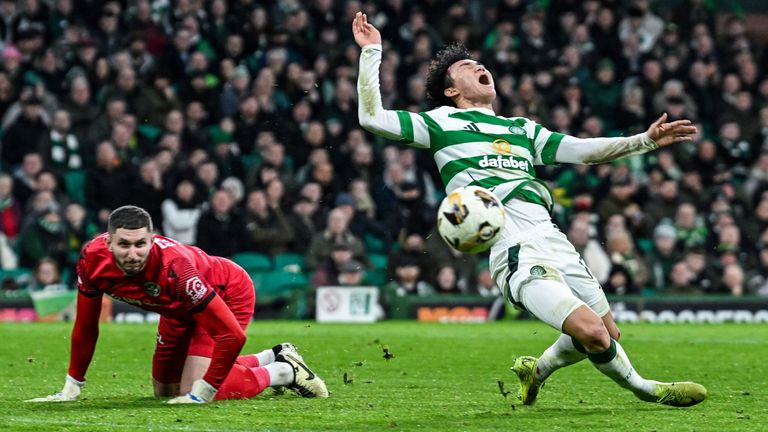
(130, 247)
(472, 81)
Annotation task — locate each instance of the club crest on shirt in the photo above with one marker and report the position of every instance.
(516, 130)
(152, 289)
(195, 289)
(538, 270)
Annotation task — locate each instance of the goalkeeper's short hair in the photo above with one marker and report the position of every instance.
(437, 75)
(129, 217)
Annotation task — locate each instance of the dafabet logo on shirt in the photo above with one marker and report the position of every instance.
(500, 161)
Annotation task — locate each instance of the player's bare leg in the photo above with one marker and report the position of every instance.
(166, 390)
(607, 355)
(285, 368)
(589, 336)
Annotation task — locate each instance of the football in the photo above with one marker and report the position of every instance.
(470, 219)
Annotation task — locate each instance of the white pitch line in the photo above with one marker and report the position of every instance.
(113, 426)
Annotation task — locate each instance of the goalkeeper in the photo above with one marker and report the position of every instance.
(205, 303)
(533, 263)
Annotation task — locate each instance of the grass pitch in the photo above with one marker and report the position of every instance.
(442, 378)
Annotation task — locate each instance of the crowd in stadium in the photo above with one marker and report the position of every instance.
(234, 123)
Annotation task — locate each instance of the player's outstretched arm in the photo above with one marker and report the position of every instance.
(400, 126)
(600, 150)
(84, 336)
(218, 321)
(364, 32)
(69, 393)
(666, 134)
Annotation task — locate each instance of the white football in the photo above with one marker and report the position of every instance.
(470, 219)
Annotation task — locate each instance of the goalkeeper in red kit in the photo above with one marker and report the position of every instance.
(205, 303)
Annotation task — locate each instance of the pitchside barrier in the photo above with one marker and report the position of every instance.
(366, 304)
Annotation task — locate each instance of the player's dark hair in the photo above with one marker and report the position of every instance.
(437, 75)
(129, 217)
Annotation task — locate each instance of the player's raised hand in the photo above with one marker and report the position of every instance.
(669, 133)
(365, 33)
(69, 393)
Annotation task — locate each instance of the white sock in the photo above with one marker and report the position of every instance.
(265, 357)
(280, 374)
(560, 354)
(614, 363)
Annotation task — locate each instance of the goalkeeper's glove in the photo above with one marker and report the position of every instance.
(70, 392)
(201, 392)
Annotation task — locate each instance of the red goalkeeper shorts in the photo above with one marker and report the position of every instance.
(177, 339)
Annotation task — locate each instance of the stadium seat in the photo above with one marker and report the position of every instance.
(74, 184)
(250, 161)
(290, 262)
(373, 244)
(376, 277)
(252, 261)
(378, 261)
(277, 285)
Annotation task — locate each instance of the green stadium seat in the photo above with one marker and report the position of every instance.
(290, 262)
(74, 184)
(278, 285)
(373, 244)
(252, 261)
(250, 161)
(378, 261)
(377, 277)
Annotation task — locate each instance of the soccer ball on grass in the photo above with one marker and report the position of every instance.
(470, 219)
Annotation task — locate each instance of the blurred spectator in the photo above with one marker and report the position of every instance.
(25, 177)
(106, 186)
(446, 281)
(690, 228)
(408, 281)
(621, 249)
(641, 22)
(328, 272)
(60, 148)
(80, 230)
(266, 228)
(181, 213)
(486, 287)
(21, 136)
(46, 275)
(45, 236)
(663, 256)
(682, 280)
(734, 280)
(604, 92)
(351, 273)
(148, 192)
(620, 281)
(337, 231)
(302, 220)
(665, 204)
(219, 227)
(590, 249)
(11, 211)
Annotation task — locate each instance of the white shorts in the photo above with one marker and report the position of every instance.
(545, 254)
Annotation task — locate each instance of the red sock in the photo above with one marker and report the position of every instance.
(249, 361)
(243, 383)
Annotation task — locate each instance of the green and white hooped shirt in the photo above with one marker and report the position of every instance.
(476, 147)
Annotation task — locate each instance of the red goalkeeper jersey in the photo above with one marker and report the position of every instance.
(176, 281)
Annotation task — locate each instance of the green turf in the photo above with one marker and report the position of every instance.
(442, 377)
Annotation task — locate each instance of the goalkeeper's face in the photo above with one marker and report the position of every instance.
(471, 81)
(130, 247)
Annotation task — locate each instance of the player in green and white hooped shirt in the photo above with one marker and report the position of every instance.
(534, 264)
